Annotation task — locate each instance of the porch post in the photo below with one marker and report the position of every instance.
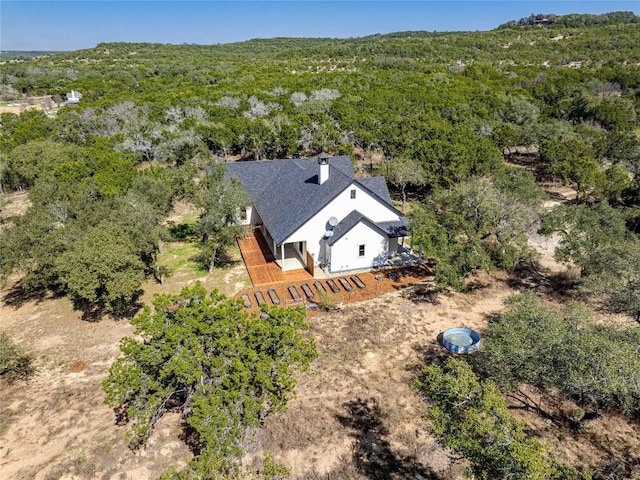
(282, 250)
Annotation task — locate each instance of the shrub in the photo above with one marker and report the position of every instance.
(15, 363)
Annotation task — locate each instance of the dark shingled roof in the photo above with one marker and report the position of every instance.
(391, 229)
(286, 192)
(394, 229)
(377, 185)
(348, 223)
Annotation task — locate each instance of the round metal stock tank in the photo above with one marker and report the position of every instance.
(461, 340)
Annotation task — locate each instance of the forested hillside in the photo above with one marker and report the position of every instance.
(451, 103)
(465, 126)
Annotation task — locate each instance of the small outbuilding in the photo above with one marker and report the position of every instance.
(73, 98)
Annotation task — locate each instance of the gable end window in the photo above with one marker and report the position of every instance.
(353, 193)
(361, 250)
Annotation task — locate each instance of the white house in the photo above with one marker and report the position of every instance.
(73, 98)
(314, 213)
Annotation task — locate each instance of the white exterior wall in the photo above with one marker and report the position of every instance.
(344, 253)
(252, 215)
(342, 205)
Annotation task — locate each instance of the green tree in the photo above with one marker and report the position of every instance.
(471, 417)
(505, 136)
(593, 363)
(618, 181)
(623, 147)
(28, 126)
(204, 356)
(615, 113)
(4, 166)
(111, 172)
(101, 269)
(221, 200)
(472, 226)
(615, 278)
(451, 155)
(30, 161)
(586, 231)
(31, 245)
(519, 111)
(574, 161)
(403, 172)
(520, 184)
(596, 238)
(154, 185)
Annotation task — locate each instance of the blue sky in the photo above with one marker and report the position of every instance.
(64, 25)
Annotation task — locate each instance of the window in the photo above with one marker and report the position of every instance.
(243, 214)
(353, 193)
(361, 250)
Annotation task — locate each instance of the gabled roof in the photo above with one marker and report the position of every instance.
(391, 229)
(347, 223)
(377, 185)
(286, 193)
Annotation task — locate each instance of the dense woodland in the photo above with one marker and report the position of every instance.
(445, 117)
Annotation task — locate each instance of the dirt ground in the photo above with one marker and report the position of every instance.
(33, 103)
(56, 426)
(356, 414)
(13, 205)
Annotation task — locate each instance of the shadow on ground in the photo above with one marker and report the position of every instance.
(373, 456)
(559, 285)
(429, 354)
(94, 312)
(17, 296)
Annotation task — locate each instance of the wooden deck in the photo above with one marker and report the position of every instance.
(373, 284)
(271, 285)
(261, 265)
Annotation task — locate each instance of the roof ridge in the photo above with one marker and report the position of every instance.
(349, 222)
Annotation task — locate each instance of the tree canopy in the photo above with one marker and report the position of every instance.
(471, 417)
(597, 238)
(593, 363)
(221, 201)
(204, 356)
(474, 225)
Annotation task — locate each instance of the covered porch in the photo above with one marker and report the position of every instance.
(289, 256)
(262, 265)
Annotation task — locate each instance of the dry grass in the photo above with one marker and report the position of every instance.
(12, 205)
(357, 415)
(356, 412)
